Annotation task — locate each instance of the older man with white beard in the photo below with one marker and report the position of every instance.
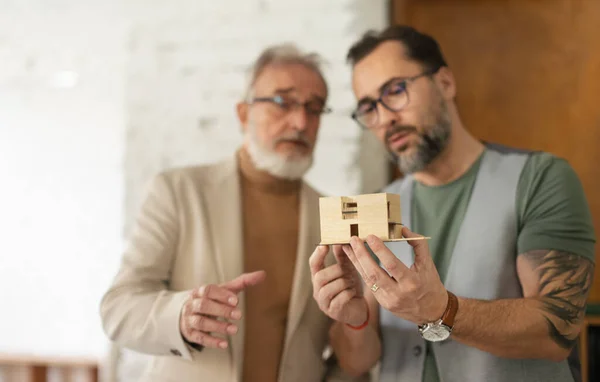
(215, 282)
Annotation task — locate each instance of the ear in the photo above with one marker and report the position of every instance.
(242, 113)
(446, 82)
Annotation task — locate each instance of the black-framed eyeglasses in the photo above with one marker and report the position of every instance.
(393, 96)
(287, 104)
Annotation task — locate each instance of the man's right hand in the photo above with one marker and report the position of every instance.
(210, 307)
(337, 289)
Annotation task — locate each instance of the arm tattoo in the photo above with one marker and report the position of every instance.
(565, 280)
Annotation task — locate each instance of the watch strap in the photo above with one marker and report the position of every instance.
(451, 309)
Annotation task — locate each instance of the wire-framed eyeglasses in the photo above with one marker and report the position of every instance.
(393, 96)
(287, 104)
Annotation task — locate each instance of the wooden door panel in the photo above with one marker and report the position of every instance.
(528, 75)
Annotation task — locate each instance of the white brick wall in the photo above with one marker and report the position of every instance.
(156, 87)
(61, 154)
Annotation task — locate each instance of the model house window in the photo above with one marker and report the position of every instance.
(350, 210)
(395, 231)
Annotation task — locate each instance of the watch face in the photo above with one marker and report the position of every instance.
(435, 333)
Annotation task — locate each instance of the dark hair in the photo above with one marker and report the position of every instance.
(419, 46)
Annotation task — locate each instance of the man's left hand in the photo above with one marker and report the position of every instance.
(416, 293)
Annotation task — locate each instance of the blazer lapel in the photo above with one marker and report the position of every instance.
(307, 240)
(224, 203)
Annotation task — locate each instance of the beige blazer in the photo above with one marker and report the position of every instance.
(188, 232)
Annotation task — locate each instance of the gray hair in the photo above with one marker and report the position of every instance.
(283, 54)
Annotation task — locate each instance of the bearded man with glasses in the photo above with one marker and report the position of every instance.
(215, 284)
(499, 292)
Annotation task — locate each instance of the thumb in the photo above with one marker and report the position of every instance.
(244, 281)
(420, 247)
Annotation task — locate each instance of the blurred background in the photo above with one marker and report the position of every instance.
(97, 96)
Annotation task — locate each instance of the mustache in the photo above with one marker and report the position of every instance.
(399, 129)
(298, 137)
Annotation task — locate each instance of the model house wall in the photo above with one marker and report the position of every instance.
(361, 215)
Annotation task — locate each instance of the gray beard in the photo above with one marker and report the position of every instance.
(432, 143)
(268, 160)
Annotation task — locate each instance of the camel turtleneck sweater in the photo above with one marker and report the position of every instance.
(270, 208)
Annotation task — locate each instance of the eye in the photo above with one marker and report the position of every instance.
(282, 102)
(365, 107)
(396, 88)
(315, 107)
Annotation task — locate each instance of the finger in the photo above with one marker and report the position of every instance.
(394, 267)
(245, 280)
(420, 247)
(341, 299)
(329, 291)
(328, 274)
(373, 272)
(347, 266)
(187, 306)
(342, 258)
(317, 259)
(214, 308)
(206, 340)
(355, 263)
(217, 293)
(209, 325)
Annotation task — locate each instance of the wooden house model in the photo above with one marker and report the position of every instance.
(342, 217)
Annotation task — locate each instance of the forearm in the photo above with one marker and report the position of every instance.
(357, 351)
(513, 328)
(545, 323)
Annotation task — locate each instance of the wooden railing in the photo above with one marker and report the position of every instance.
(23, 368)
(583, 354)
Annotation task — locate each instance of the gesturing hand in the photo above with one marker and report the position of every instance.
(337, 289)
(416, 293)
(210, 307)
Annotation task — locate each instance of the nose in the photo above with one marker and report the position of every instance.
(299, 118)
(386, 117)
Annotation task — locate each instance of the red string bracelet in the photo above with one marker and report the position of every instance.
(364, 324)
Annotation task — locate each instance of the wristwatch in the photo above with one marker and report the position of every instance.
(440, 330)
